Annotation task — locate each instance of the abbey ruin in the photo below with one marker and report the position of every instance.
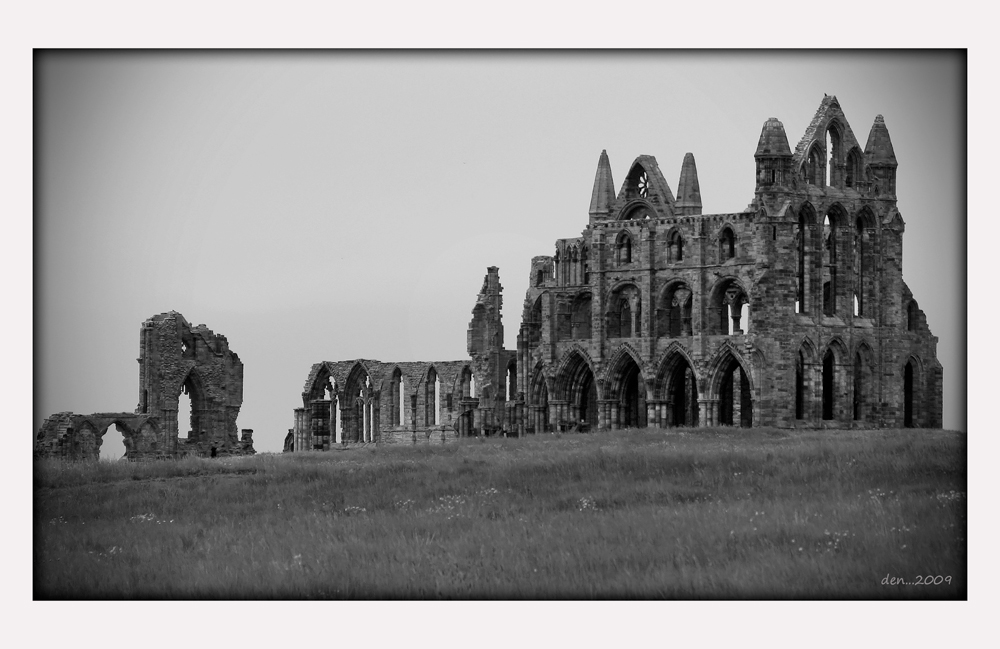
(174, 357)
(791, 313)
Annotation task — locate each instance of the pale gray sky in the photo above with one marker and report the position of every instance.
(330, 206)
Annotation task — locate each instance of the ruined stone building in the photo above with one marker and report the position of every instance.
(790, 313)
(174, 357)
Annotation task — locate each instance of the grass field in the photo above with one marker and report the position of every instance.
(724, 513)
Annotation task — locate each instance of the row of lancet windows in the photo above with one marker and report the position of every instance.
(624, 249)
(729, 314)
(833, 265)
(831, 167)
(830, 388)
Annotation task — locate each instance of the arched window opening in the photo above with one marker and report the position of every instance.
(814, 166)
(853, 172)
(676, 246)
(112, 443)
(908, 395)
(512, 381)
(727, 301)
(829, 159)
(185, 415)
(432, 404)
(829, 266)
(828, 385)
(802, 243)
(859, 267)
(468, 390)
(727, 245)
(472, 386)
(624, 316)
(623, 250)
(539, 277)
(674, 312)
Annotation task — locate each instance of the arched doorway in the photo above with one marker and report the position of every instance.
(576, 385)
(735, 395)
(628, 393)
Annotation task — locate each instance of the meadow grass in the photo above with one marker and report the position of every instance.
(718, 513)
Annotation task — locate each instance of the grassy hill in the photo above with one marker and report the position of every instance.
(717, 513)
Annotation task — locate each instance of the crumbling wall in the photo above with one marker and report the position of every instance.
(174, 357)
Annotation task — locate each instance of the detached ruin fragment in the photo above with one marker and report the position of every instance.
(791, 313)
(174, 357)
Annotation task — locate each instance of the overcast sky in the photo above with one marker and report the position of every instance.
(332, 206)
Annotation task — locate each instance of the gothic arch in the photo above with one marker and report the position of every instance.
(674, 307)
(912, 372)
(676, 386)
(727, 298)
(575, 383)
(675, 245)
(862, 383)
(626, 388)
(624, 248)
(726, 237)
(637, 210)
(624, 310)
(731, 385)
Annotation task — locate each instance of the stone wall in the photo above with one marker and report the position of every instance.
(174, 357)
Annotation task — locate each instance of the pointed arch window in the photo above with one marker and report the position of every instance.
(676, 246)
(623, 249)
(727, 244)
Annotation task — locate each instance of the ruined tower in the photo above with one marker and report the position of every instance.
(174, 357)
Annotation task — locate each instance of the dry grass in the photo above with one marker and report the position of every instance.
(645, 514)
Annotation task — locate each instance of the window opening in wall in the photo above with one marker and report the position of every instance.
(829, 267)
(336, 427)
(437, 401)
(828, 385)
(472, 387)
(184, 415)
(402, 403)
(857, 309)
(676, 247)
(796, 306)
(727, 245)
(774, 233)
(829, 157)
(112, 444)
(911, 316)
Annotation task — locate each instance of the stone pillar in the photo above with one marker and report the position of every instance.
(706, 412)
